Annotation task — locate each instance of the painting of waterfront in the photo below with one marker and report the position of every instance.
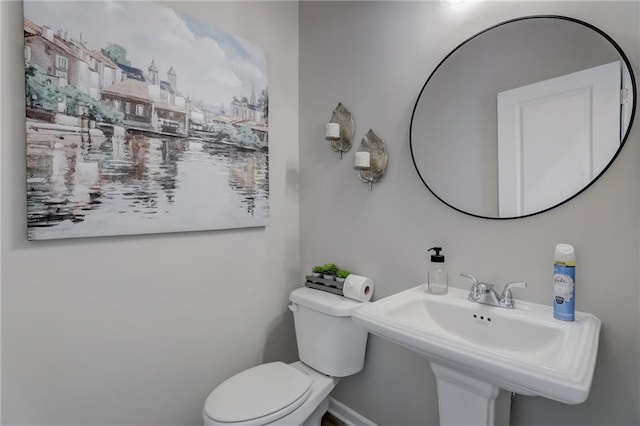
(141, 120)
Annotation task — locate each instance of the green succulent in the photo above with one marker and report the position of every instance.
(342, 273)
(319, 269)
(330, 268)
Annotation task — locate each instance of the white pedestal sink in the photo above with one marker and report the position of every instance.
(480, 354)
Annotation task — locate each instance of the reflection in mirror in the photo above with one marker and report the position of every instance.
(522, 117)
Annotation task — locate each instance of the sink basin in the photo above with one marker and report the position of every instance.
(523, 350)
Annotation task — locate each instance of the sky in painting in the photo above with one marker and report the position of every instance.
(210, 64)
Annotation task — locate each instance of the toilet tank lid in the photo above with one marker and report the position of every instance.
(328, 303)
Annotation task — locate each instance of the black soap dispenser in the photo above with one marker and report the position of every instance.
(437, 278)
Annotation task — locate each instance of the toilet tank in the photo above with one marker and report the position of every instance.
(328, 340)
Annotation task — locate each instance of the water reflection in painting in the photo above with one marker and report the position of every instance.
(80, 186)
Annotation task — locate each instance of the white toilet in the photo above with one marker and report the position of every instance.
(330, 346)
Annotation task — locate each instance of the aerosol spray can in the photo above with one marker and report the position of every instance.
(564, 283)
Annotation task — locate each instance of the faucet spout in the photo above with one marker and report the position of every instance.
(486, 294)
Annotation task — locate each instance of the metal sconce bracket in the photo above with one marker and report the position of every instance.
(372, 144)
(342, 116)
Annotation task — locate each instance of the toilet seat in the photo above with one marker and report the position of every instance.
(259, 395)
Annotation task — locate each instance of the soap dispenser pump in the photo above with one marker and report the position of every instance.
(437, 278)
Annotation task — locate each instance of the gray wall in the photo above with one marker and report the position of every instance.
(138, 330)
(374, 57)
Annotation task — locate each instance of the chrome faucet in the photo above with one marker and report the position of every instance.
(486, 294)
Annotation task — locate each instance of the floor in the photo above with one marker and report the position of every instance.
(329, 420)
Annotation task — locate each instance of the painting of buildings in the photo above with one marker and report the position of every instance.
(133, 128)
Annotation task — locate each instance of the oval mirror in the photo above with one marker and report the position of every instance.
(522, 117)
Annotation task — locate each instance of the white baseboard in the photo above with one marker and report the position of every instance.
(347, 415)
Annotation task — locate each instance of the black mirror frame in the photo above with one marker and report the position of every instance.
(622, 143)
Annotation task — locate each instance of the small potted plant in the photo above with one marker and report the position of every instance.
(330, 270)
(341, 275)
(317, 271)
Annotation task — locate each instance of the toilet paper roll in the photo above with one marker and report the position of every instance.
(358, 288)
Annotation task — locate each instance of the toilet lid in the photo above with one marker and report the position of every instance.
(257, 392)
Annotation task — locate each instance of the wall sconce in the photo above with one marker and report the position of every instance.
(339, 131)
(371, 159)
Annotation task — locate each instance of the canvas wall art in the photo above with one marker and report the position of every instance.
(141, 120)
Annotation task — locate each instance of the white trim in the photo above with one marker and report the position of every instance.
(3, 37)
(347, 415)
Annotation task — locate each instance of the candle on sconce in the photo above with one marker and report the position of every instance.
(332, 131)
(363, 160)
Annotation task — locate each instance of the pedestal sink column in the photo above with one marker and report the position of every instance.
(467, 401)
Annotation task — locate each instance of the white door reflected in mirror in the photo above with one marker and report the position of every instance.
(556, 136)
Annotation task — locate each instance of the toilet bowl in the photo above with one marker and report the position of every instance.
(330, 346)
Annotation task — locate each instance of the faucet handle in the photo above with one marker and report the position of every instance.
(471, 278)
(507, 297)
(476, 285)
(514, 284)
(477, 288)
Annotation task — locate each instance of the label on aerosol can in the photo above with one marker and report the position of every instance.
(564, 283)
